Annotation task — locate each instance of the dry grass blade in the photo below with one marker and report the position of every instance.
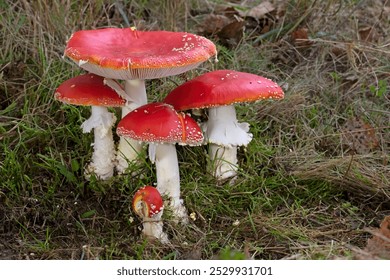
(363, 176)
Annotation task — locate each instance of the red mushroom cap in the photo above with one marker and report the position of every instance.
(222, 87)
(159, 122)
(125, 53)
(147, 202)
(88, 90)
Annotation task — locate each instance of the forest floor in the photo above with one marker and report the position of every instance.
(313, 184)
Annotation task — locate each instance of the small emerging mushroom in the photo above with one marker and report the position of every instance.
(148, 204)
(219, 91)
(135, 56)
(91, 90)
(162, 127)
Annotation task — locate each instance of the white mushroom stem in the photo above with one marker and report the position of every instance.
(223, 161)
(153, 227)
(102, 162)
(128, 149)
(168, 178)
(224, 134)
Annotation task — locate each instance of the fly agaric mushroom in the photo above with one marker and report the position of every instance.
(162, 127)
(134, 56)
(148, 204)
(90, 90)
(219, 91)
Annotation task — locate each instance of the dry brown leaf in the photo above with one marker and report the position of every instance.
(359, 136)
(214, 23)
(300, 38)
(232, 32)
(368, 34)
(230, 12)
(228, 26)
(379, 245)
(338, 49)
(260, 11)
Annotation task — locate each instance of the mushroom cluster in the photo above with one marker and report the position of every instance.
(135, 56)
(112, 54)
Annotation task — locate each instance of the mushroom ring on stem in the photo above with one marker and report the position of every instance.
(91, 90)
(135, 56)
(219, 91)
(162, 127)
(148, 204)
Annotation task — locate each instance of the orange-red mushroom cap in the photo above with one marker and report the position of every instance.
(147, 202)
(222, 87)
(125, 53)
(161, 123)
(88, 90)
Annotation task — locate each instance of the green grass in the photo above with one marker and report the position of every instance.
(300, 193)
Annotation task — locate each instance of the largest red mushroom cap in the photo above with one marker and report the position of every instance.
(159, 122)
(125, 53)
(222, 87)
(88, 90)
